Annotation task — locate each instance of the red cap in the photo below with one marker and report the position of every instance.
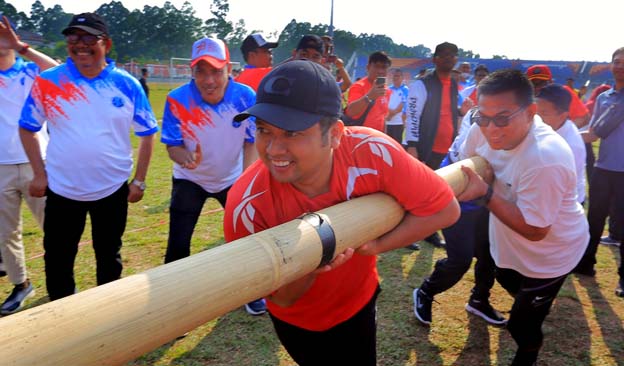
(539, 72)
(212, 50)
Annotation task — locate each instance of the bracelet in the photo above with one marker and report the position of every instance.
(24, 49)
(484, 200)
(369, 100)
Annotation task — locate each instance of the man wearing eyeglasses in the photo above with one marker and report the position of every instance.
(538, 230)
(208, 149)
(91, 106)
(259, 58)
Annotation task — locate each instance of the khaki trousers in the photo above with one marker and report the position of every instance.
(14, 180)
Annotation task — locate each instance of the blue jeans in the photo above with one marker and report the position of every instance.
(187, 201)
(465, 239)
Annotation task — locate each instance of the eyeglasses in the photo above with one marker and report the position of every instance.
(88, 39)
(498, 121)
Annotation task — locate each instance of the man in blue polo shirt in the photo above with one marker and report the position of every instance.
(209, 150)
(16, 79)
(91, 106)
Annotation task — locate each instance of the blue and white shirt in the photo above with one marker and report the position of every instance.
(15, 84)
(399, 95)
(90, 152)
(188, 120)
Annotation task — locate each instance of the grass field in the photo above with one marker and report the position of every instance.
(585, 326)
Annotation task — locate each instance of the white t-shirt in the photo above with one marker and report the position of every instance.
(571, 134)
(538, 176)
(90, 153)
(15, 84)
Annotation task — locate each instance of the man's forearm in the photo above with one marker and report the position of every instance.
(144, 155)
(30, 142)
(42, 60)
(510, 215)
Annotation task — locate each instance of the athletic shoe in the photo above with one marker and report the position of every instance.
(607, 240)
(256, 307)
(413, 246)
(484, 310)
(434, 239)
(422, 306)
(15, 301)
(619, 291)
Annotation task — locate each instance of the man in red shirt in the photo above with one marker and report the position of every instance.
(310, 161)
(257, 54)
(540, 76)
(368, 91)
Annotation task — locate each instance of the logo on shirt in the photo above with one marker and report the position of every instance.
(245, 209)
(118, 102)
(378, 146)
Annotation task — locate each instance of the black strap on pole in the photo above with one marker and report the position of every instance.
(325, 232)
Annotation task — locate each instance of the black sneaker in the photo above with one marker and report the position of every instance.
(484, 310)
(434, 239)
(619, 290)
(422, 306)
(413, 246)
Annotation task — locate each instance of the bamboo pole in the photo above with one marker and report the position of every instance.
(122, 320)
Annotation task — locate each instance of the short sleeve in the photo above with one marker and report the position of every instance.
(171, 127)
(33, 114)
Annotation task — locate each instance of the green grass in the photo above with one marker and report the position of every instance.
(585, 326)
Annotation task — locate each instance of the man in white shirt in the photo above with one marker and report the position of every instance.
(553, 103)
(538, 230)
(16, 79)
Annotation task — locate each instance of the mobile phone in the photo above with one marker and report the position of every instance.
(331, 59)
(381, 80)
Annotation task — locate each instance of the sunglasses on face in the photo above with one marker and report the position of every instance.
(88, 39)
(498, 121)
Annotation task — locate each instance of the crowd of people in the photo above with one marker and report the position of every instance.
(280, 141)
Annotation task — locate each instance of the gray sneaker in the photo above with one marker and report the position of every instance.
(15, 301)
(607, 240)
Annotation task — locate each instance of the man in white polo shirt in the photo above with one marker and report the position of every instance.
(16, 79)
(91, 106)
(208, 148)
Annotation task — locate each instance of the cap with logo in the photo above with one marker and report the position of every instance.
(295, 95)
(311, 41)
(212, 50)
(539, 72)
(254, 41)
(88, 22)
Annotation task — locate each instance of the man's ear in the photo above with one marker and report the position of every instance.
(335, 134)
(109, 44)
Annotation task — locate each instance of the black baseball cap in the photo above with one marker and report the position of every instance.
(295, 95)
(311, 41)
(446, 46)
(88, 22)
(254, 41)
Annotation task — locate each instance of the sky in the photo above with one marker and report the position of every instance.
(570, 30)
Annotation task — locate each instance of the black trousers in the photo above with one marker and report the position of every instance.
(352, 342)
(396, 132)
(533, 298)
(187, 202)
(605, 191)
(465, 239)
(63, 226)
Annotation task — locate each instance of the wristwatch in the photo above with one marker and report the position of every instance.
(139, 184)
(368, 99)
(485, 199)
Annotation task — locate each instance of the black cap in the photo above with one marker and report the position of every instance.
(446, 46)
(88, 22)
(295, 95)
(254, 41)
(311, 41)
